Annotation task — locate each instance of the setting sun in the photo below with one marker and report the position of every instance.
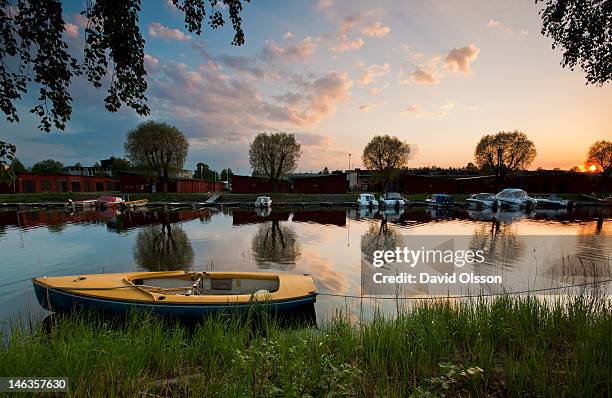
(592, 168)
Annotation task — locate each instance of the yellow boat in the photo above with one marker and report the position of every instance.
(177, 294)
(131, 204)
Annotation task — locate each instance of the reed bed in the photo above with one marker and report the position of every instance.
(502, 347)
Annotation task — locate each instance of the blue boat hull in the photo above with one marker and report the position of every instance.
(61, 301)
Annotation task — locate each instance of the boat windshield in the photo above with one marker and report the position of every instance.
(204, 285)
(393, 195)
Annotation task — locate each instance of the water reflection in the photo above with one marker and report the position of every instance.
(379, 236)
(275, 246)
(163, 247)
(331, 244)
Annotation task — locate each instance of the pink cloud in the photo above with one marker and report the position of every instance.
(342, 44)
(300, 52)
(424, 76)
(460, 59)
(71, 30)
(163, 32)
(376, 29)
(372, 72)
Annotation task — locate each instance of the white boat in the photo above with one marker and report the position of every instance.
(109, 201)
(263, 201)
(515, 198)
(392, 199)
(481, 200)
(81, 204)
(367, 200)
(553, 202)
(440, 199)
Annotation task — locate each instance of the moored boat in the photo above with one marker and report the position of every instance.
(553, 202)
(263, 201)
(81, 204)
(176, 294)
(367, 200)
(515, 198)
(132, 204)
(481, 200)
(110, 201)
(440, 200)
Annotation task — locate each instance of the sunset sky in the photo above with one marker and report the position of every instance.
(437, 74)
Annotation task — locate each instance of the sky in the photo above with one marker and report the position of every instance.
(437, 74)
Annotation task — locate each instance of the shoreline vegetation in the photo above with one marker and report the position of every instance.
(228, 197)
(508, 346)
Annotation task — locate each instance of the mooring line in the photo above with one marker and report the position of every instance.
(465, 296)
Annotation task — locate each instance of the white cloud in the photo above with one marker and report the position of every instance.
(366, 107)
(460, 59)
(498, 25)
(376, 29)
(440, 111)
(163, 32)
(288, 35)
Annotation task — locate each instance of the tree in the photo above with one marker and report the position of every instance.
(226, 174)
(77, 165)
(504, 152)
(582, 29)
(274, 155)
(157, 148)
(17, 167)
(7, 154)
(386, 155)
(48, 166)
(119, 164)
(600, 154)
(31, 39)
(204, 172)
(325, 170)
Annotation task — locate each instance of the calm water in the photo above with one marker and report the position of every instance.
(331, 244)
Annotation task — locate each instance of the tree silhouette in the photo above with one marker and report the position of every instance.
(31, 39)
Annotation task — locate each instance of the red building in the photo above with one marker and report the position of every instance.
(296, 183)
(34, 183)
(132, 182)
(248, 184)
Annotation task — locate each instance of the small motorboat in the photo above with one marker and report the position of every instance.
(554, 202)
(175, 294)
(109, 201)
(133, 204)
(440, 200)
(81, 204)
(514, 198)
(263, 201)
(481, 200)
(367, 200)
(392, 199)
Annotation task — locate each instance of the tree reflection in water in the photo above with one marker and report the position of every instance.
(379, 237)
(163, 247)
(275, 246)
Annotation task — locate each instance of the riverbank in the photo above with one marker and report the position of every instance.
(509, 347)
(228, 198)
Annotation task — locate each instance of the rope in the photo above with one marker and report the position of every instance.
(15, 282)
(467, 295)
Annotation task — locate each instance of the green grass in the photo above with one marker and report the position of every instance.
(507, 347)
